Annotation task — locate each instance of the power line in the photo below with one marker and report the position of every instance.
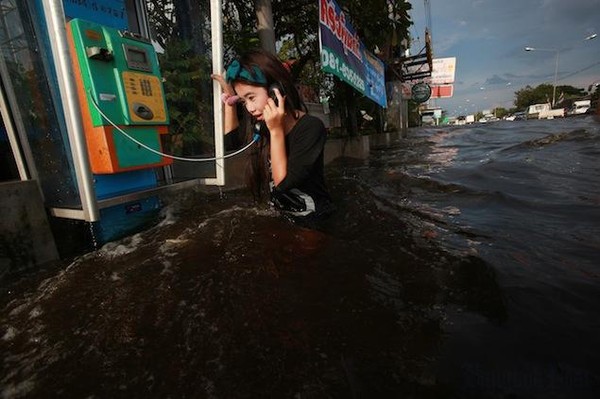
(427, 6)
(579, 71)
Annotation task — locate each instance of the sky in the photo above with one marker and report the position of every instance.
(488, 38)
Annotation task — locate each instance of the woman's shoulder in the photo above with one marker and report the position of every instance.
(311, 121)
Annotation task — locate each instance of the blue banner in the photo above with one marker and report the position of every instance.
(345, 56)
(110, 13)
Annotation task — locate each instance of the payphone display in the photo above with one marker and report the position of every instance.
(119, 83)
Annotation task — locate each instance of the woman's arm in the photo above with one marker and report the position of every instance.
(278, 156)
(230, 119)
(305, 155)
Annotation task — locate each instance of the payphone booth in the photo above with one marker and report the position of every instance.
(87, 111)
(124, 113)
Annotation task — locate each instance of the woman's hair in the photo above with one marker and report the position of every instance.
(273, 72)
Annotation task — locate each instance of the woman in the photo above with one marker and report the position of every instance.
(287, 162)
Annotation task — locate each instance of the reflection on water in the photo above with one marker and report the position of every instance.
(462, 274)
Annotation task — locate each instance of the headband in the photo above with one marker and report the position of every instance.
(236, 71)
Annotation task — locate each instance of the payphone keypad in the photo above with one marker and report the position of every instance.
(144, 97)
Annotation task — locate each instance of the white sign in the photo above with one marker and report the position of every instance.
(443, 70)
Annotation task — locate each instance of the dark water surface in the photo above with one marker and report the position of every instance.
(462, 263)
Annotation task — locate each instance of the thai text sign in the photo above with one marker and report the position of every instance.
(443, 70)
(104, 12)
(345, 56)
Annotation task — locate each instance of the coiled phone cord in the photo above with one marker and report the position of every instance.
(255, 139)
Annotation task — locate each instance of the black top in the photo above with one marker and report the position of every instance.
(303, 190)
(305, 145)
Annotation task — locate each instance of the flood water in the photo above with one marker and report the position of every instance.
(463, 262)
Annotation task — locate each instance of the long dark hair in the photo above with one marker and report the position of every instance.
(258, 172)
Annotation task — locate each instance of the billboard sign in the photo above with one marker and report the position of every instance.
(442, 91)
(345, 56)
(443, 70)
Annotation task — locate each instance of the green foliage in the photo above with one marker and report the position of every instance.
(595, 94)
(184, 75)
(501, 112)
(529, 95)
(543, 94)
(239, 27)
(376, 21)
(570, 91)
(175, 22)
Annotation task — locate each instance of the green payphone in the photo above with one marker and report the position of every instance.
(118, 81)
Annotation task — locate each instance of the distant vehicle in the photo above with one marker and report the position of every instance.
(517, 116)
(431, 116)
(580, 107)
(544, 111)
(520, 116)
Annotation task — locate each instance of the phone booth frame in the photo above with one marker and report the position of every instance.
(91, 205)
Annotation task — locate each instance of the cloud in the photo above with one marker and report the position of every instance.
(488, 38)
(496, 80)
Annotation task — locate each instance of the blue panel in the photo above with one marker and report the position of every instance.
(121, 183)
(125, 219)
(105, 12)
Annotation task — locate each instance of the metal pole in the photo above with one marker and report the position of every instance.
(555, 78)
(216, 27)
(55, 17)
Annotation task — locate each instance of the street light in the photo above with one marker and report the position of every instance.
(590, 37)
(555, 68)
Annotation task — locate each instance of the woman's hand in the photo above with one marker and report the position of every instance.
(274, 114)
(225, 88)
(230, 119)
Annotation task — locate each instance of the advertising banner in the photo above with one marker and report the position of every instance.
(442, 91)
(345, 56)
(443, 70)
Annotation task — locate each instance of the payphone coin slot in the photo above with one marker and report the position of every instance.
(143, 111)
(99, 53)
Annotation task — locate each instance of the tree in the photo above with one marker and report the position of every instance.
(379, 24)
(185, 75)
(594, 94)
(500, 112)
(543, 93)
(181, 29)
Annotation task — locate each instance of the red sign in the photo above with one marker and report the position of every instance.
(442, 91)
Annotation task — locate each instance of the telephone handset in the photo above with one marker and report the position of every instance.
(272, 92)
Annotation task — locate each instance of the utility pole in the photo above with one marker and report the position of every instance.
(264, 17)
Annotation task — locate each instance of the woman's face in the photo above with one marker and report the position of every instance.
(254, 98)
